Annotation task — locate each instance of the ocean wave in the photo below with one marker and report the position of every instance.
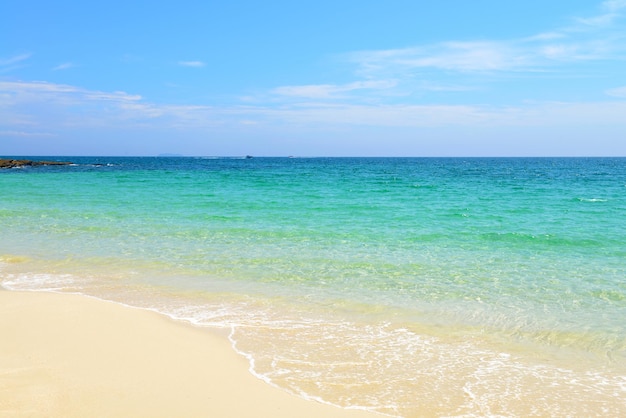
(591, 200)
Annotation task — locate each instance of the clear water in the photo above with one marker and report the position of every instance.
(411, 287)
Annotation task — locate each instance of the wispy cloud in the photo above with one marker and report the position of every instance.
(617, 92)
(18, 90)
(464, 56)
(611, 10)
(546, 114)
(533, 53)
(194, 64)
(469, 65)
(47, 109)
(27, 134)
(14, 60)
(13, 63)
(39, 104)
(576, 42)
(329, 91)
(614, 5)
(64, 66)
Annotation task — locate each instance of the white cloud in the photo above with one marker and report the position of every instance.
(42, 105)
(527, 55)
(14, 60)
(614, 5)
(383, 115)
(310, 91)
(575, 51)
(587, 38)
(612, 9)
(64, 66)
(13, 63)
(470, 56)
(617, 92)
(28, 109)
(600, 20)
(19, 90)
(431, 86)
(545, 36)
(327, 91)
(483, 56)
(458, 66)
(27, 134)
(39, 104)
(545, 114)
(195, 64)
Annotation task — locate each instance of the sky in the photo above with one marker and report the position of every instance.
(313, 78)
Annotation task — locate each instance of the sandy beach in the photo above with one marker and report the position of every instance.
(67, 355)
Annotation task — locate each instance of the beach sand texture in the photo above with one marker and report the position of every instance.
(67, 355)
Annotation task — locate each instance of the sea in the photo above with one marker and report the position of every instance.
(411, 287)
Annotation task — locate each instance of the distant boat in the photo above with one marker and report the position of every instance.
(248, 157)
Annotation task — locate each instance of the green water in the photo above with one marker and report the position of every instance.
(413, 287)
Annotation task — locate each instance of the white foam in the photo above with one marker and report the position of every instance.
(38, 281)
(299, 353)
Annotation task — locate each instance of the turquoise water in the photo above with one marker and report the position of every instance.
(408, 286)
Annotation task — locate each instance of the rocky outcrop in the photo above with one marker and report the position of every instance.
(8, 163)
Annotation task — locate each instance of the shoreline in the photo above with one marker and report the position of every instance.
(67, 355)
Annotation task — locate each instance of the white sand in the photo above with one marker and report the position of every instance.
(72, 356)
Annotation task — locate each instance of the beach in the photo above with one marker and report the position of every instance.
(67, 355)
(407, 287)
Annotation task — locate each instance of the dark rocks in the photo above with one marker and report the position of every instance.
(8, 163)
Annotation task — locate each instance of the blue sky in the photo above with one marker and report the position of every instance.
(313, 78)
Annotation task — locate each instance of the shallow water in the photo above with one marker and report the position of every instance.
(413, 287)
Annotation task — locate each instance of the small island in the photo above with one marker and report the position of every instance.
(9, 163)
